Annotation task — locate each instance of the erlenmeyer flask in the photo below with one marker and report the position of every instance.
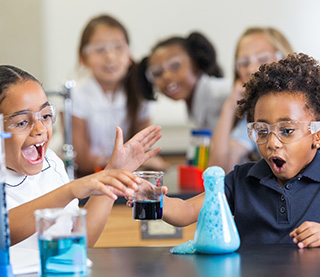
(216, 232)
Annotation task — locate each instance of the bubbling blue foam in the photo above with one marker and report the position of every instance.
(216, 232)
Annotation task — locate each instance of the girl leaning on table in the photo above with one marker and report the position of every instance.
(277, 199)
(36, 178)
(186, 68)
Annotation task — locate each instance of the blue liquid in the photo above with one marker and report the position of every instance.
(216, 232)
(63, 256)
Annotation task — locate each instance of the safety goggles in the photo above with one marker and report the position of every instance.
(22, 122)
(117, 48)
(286, 131)
(261, 58)
(156, 71)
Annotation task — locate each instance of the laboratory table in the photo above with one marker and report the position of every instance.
(250, 260)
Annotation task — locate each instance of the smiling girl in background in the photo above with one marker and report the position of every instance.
(186, 69)
(108, 97)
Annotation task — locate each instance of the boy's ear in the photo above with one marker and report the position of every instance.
(316, 140)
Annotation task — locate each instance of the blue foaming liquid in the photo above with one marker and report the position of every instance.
(63, 256)
(184, 248)
(216, 232)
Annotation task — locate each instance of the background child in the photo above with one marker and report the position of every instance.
(275, 200)
(108, 97)
(230, 144)
(186, 69)
(36, 177)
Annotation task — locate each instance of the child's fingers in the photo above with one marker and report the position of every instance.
(164, 190)
(302, 228)
(119, 138)
(121, 180)
(152, 153)
(311, 241)
(306, 234)
(148, 136)
(149, 141)
(129, 202)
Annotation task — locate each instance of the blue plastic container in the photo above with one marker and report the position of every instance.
(5, 266)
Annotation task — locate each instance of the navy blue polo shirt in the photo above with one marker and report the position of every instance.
(265, 212)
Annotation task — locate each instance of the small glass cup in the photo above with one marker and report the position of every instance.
(62, 235)
(148, 199)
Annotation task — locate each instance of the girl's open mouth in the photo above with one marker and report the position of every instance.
(34, 153)
(278, 164)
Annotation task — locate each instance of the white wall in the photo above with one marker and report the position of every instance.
(150, 20)
(42, 35)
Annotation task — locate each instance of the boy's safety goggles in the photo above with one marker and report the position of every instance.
(286, 131)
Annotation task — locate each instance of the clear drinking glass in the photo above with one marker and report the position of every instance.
(62, 241)
(148, 199)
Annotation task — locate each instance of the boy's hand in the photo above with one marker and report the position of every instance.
(134, 153)
(307, 234)
(109, 182)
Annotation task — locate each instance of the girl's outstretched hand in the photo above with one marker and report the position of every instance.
(307, 234)
(134, 153)
(109, 182)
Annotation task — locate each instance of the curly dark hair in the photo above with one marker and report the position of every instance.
(297, 73)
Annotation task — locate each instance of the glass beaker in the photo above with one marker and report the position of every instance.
(62, 238)
(148, 199)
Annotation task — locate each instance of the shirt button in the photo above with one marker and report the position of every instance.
(288, 186)
(282, 210)
(282, 197)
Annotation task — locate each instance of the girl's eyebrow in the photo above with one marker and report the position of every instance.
(27, 111)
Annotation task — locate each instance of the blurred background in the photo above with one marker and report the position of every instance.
(42, 36)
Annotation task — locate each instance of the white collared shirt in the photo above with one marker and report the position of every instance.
(24, 188)
(103, 112)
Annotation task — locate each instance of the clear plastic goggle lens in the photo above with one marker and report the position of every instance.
(23, 122)
(286, 131)
(156, 71)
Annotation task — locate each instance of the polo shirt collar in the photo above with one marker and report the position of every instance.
(262, 170)
(312, 171)
(15, 179)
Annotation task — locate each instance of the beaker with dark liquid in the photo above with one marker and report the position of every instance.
(148, 199)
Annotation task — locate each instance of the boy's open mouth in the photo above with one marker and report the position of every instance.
(278, 164)
(34, 153)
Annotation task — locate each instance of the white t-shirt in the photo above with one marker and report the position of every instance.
(209, 96)
(23, 188)
(103, 112)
